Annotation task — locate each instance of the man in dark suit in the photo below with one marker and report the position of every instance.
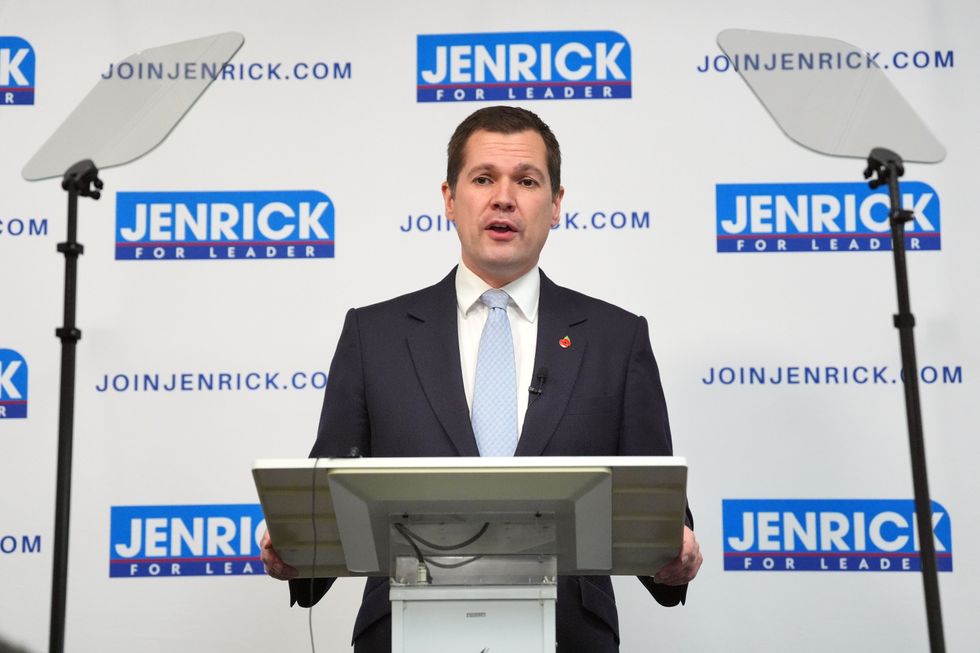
(406, 377)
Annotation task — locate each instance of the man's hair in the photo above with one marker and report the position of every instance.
(502, 120)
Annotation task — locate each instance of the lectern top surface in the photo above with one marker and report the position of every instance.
(473, 462)
(607, 514)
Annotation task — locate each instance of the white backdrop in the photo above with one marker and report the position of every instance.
(366, 142)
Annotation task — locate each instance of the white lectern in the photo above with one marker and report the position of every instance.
(473, 546)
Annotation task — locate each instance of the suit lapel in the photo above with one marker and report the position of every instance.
(434, 346)
(559, 315)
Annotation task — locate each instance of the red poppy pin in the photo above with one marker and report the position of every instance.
(565, 342)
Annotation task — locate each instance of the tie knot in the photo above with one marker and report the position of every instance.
(495, 298)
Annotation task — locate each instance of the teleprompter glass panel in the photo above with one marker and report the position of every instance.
(828, 95)
(134, 106)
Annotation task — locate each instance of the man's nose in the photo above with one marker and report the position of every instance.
(503, 197)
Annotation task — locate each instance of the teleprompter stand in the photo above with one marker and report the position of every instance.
(119, 121)
(472, 547)
(885, 167)
(82, 179)
(850, 112)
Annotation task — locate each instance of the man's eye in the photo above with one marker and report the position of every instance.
(528, 182)
(482, 180)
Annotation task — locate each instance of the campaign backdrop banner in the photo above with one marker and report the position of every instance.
(218, 268)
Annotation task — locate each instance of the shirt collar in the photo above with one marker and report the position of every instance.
(524, 291)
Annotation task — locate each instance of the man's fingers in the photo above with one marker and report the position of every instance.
(671, 574)
(678, 572)
(274, 566)
(278, 569)
(685, 566)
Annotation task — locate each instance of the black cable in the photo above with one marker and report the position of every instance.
(405, 533)
(423, 571)
(313, 571)
(412, 538)
(442, 547)
(455, 565)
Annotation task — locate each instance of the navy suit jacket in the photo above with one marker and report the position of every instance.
(396, 389)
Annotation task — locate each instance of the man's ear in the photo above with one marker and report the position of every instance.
(556, 206)
(449, 200)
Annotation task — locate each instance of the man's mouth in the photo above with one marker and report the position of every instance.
(500, 227)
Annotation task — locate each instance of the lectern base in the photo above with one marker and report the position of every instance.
(492, 618)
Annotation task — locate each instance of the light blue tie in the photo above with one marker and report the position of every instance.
(495, 390)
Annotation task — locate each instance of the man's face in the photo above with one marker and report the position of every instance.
(503, 206)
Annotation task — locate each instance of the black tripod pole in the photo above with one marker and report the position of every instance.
(77, 181)
(887, 167)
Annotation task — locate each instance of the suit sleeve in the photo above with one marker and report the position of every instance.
(344, 427)
(646, 432)
(344, 423)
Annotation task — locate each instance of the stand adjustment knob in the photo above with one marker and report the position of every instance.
(68, 335)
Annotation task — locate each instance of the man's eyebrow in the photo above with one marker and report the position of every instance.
(481, 167)
(529, 167)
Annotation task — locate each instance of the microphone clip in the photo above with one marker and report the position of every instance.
(537, 388)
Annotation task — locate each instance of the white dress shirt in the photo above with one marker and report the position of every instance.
(522, 312)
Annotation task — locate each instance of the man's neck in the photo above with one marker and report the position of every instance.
(497, 280)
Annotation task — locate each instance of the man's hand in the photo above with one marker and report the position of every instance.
(684, 567)
(274, 566)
